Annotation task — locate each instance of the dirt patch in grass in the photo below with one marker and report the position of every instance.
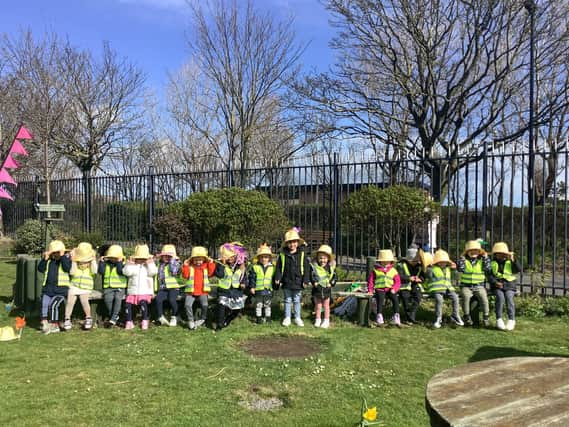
(262, 398)
(282, 346)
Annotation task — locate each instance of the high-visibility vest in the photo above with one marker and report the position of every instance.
(324, 277)
(473, 274)
(282, 256)
(264, 277)
(83, 279)
(232, 279)
(62, 276)
(112, 279)
(507, 274)
(384, 280)
(171, 281)
(441, 280)
(190, 281)
(405, 286)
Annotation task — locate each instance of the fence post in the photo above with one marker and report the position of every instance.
(335, 190)
(484, 188)
(87, 201)
(151, 208)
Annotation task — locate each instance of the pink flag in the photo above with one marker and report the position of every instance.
(18, 148)
(23, 133)
(5, 177)
(10, 163)
(5, 195)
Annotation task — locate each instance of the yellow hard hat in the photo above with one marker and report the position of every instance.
(385, 255)
(56, 246)
(168, 250)
(115, 251)
(141, 252)
(441, 256)
(500, 248)
(325, 249)
(198, 252)
(83, 252)
(7, 334)
(292, 234)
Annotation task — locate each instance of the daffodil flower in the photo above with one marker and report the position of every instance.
(370, 414)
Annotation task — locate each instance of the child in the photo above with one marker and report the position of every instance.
(384, 280)
(197, 270)
(292, 273)
(83, 271)
(410, 272)
(503, 281)
(166, 284)
(231, 284)
(55, 266)
(323, 279)
(261, 277)
(114, 282)
(439, 285)
(474, 264)
(140, 269)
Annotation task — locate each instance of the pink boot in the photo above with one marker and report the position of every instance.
(129, 325)
(397, 320)
(144, 325)
(379, 319)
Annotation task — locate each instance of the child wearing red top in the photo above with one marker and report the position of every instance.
(197, 270)
(384, 280)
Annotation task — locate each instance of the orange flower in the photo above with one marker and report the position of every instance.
(20, 322)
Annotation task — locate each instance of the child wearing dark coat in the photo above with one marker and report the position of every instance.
(503, 281)
(411, 291)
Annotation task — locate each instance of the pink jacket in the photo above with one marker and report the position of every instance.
(371, 279)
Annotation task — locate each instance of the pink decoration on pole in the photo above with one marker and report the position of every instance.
(10, 163)
(5, 195)
(5, 177)
(18, 148)
(23, 133)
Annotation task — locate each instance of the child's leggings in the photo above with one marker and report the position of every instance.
(113, 301)
(71, 299)
(50, 307)
(439, 298)
(318, 304)
(167, 294)
(189, 304)
(263, 302)
(478, 292)
(380, 300)
(143, 308)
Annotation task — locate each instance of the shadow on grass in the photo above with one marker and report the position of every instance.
(491, 352)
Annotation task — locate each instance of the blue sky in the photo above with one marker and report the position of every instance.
(152, 33)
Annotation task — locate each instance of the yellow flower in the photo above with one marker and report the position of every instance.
(370, 414)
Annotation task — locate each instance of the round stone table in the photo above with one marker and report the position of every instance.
(508, 392)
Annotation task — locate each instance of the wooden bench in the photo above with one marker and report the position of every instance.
(507, 392)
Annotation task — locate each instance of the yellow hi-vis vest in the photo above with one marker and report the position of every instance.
(264, 277)
(171, 281)
(112, 279)
(324, 277)
(282, 257)
(384, 280)
(83, 279)
(473, 274)
(190, 281)
(62, 276)
(232, 279)
(507, 275)
(441, 280)
(405, 286)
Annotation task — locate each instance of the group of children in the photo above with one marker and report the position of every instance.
(144, 278)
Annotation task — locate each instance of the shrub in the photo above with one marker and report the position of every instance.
(30, 237)
(216, 216)
(556, 306)
(530, 305)
(171, 228)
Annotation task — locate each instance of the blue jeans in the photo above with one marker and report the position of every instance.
(292, 296)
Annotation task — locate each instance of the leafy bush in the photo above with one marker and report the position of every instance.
(390, 211)
(530, 305)
(556, 306)
(95, 238)
(216, 216)
(171, 228)
(30, 237)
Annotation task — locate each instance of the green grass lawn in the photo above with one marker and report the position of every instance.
(170, 376)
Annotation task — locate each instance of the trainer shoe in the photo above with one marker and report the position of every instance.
(457, 320)
(163, 320)
(510, 325)
(325, 324)
(129, 325)
(144, 325)
(67, 324)
(500, 324)
(173, 321)
(44, 326)
(200, 322)
(379, 320)
(317, 323)
(298, 321)
(113, 322)
(52, 329)
(191, 325)
(438, 323)
(286, 321)
(468, 321)
(88, 323)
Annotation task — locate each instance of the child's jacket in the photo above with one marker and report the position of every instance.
(197, 277)
(439, 279)
(112, 274)
(292, 270)
(504, 272)
(473, 270)
(383, 279)
(140, 278)
(261, 277)
(56, 276)
(406, 271)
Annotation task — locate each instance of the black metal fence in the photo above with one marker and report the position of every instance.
(481, 197)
